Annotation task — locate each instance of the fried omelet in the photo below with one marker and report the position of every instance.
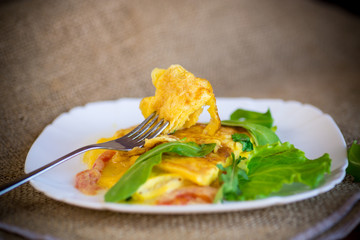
(179, 99)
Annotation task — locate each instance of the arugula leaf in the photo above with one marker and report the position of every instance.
(139, 172)
(261, 135)
(242, 115)
(354, 161)
(258, 124)
(272, 166)
(244, 140)
(231, 177)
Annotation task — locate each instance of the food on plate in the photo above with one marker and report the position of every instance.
(198, 163)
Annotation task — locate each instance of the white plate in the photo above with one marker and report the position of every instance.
(303, 125)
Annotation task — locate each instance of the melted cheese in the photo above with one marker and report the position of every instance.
(158, 185)
(198, 170)
(179, 99)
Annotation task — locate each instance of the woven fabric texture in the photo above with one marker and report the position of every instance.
(56, 55)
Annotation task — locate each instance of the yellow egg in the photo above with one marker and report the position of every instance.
(158, 185)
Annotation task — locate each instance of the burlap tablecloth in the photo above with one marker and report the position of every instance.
(55, 55)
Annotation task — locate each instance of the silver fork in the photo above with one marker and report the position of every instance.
(148, 129)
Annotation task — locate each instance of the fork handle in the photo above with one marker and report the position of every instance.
(4, 188)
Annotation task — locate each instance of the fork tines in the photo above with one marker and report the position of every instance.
(149, 128)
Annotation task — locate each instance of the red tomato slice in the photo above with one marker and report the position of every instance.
(86, 181)
(188, 195)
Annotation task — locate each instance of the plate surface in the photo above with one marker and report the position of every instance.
(303, 125)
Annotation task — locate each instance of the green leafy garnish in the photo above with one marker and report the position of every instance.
(259, 125)
(264, 119)
(231, 177)
(271, 166)
(262, 135)
(140, 171)
(244, 140)
(354, 161)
